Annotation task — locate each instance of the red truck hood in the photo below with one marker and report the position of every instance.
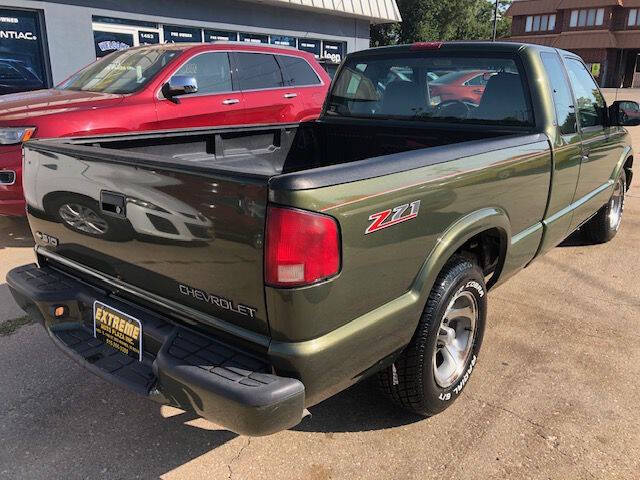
(18, 107)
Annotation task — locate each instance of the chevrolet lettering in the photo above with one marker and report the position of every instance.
(217, 301)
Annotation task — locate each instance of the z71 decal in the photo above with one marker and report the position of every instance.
(393, 216)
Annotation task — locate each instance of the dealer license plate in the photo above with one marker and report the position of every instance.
(118, 330)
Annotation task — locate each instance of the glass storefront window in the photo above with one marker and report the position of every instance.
(109, 42)
(148, 38)
(333, 51)
(283, 40)
(254, 38)
(309, 45)
(22, 65)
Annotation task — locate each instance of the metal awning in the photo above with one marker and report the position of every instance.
(532, 7)
(594, 39)
(376, 11)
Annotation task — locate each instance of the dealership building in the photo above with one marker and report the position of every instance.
(605, 33)
(43, 42)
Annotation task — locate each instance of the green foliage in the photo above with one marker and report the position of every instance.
(432, 20)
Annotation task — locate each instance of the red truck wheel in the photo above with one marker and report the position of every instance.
(435, 367)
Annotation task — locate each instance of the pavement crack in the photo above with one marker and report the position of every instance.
(547, 439)
(238, 455)
(515, 414)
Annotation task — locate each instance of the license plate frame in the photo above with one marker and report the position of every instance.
(117, 329)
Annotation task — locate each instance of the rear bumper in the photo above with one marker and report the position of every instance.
(11, 197)
(222, 383)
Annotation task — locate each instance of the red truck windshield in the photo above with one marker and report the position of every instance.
(121, 72)
(432, 87)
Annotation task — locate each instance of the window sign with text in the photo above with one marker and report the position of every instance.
(220, 35)
(254, 38)
(283, 40)
(333, 51)
(173, 34)
(148, 38)
(22, 66)
(108, 42)
(309, 45)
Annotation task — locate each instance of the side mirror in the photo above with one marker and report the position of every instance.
(179, 85)
(624, 113)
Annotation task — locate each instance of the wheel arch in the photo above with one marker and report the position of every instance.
(460, 238)
(625, 162)
(51, 197)
(628, 168)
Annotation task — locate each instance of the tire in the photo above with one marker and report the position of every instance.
(64, 207)
(606, 223)
(418, 380)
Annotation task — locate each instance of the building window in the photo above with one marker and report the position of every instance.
(634, 18)
(587, 17)
(22, 61)
(540, 23)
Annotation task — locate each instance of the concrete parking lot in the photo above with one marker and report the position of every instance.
(555, 395)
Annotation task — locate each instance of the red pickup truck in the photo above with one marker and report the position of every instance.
(161, 87)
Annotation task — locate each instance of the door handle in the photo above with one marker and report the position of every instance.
(230, 101)
(290, 95)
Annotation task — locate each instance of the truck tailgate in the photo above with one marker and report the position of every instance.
(192, 237)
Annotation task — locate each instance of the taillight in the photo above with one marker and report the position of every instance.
(426, 45)
(301, 247)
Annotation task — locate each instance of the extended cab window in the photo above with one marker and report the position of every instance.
(464, 90)
(562, 99)
(297, 72)
(258, 71)
(211, 71)
(589, 100)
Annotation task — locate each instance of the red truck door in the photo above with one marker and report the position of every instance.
(215, 103)
(266, 97)
(305, 84)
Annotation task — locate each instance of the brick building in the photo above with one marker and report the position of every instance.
(605, 33)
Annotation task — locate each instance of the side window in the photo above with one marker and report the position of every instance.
(257, 71)
(211, 71)
(590, 104)
(297, 71)
(476, 81)
(562, 99)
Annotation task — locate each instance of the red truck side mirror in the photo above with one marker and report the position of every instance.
(624, 113)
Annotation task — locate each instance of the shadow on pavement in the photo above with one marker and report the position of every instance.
(14, 232)
(82, 427)
(360, 408)
(576, 239)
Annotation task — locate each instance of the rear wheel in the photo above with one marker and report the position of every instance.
(435, 367)
(606, 223)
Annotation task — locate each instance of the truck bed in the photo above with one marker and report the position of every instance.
(190, 231)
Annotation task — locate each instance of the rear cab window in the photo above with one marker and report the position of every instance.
(432, 87)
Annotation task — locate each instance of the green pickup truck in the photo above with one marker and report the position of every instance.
(248, 273)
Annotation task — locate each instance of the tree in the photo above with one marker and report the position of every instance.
(433, 20)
